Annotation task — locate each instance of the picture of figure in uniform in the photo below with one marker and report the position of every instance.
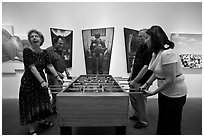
(97, 49)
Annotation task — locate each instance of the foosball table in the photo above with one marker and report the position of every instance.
(93, 100)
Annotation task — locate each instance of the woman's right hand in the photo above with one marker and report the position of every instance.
(147, 93)
(59, 79)
(44, 84)
(144, 86)
(133, 83)
(61, 75)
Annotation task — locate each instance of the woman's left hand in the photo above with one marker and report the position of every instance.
(61, 75)
(59, 79)
(132, 83)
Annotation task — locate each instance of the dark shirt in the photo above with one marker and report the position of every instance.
(142, 57)
(57, 60)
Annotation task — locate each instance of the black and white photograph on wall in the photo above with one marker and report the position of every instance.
(68, 38)
(131, 46)
(189, 47)
(97, 45)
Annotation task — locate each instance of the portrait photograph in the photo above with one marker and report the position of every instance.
(131, 46)
(68, 38)
(12, 45)
(97, 45)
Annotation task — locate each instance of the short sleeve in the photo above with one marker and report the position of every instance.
(47, 58)
(168, 57)
(28, 58)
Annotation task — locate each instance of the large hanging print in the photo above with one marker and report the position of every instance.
(189, 47)
(12, 45)
(97, 49)
(67, 49)
(131, 45)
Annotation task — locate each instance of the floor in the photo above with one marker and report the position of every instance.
(191, 123)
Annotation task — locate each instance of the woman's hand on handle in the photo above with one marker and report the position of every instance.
(44, 84)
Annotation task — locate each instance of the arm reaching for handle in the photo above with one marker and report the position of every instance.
(38, 76)
(53, 71)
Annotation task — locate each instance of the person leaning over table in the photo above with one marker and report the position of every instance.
(58, 61)
(34, 99)
(139, 75)
(172, 90)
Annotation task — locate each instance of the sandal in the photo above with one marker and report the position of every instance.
(32, 133)
(45, 124)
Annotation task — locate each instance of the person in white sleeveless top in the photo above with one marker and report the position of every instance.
(172, 90)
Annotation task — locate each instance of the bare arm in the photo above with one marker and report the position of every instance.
(67, 73)
(38, 76)
(54, 72)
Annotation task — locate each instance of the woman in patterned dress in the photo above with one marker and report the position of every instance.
(34, 99)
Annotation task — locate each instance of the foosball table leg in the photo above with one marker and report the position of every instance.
(120, 130)
(65, 130)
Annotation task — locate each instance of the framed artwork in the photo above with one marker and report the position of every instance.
(9, 29)
(24, 40)
(67, 49)
(189, 47)
(12, 50)
(12, 46)
(131, 46)
(97, 45)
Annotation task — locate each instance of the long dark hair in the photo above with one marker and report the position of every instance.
(159, 39)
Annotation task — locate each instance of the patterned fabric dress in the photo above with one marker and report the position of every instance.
(34, 101)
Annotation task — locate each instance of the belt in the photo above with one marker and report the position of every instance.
(165, 78)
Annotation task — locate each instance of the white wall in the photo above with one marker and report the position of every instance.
(172, 17)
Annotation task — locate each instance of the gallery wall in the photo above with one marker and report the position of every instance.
(173, 17)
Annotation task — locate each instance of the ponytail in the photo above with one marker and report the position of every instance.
(171, 44)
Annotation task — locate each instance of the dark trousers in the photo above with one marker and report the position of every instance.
(97, 63)
(139, 105)
(53, 81)
(170, 115)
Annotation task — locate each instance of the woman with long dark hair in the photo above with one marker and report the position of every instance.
(172, 90)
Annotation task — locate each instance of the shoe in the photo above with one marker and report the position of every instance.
(139, 125)
(45, 124)
(32, 133)
(134, 118)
